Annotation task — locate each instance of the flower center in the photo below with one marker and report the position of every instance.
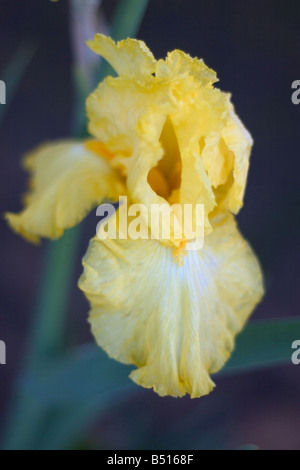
(165, 178)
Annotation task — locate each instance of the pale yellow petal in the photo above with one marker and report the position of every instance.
(115, 109)
(131, 116)
(238, 141)
(128, 57)
(185, 332)
(199, 112)
(178, 63)
(217, 159)
(67, 181)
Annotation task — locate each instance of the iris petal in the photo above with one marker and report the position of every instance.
(186, 331)
(129, 57)
(129, 113)
(67, 181)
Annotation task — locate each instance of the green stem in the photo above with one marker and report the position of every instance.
(127, 19)
(47, 339)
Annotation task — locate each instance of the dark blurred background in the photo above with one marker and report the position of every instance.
(254, 45)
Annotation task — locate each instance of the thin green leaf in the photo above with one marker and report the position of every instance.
(128, 17)
(263, 344)
(47, 340)
(14, 72)
(83, 376)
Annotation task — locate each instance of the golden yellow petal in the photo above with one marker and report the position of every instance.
(239, 142)
(185, 332)
(115, 109)
(217, 159)
(178, 63)
(174, 137)
(128, 57)
(67, 181)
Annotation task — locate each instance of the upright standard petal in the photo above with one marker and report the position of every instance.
(128, 57)
(68, 179)
(179, 63)
(186, 331)
(132, 113)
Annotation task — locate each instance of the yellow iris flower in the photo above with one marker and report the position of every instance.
(162, 133)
